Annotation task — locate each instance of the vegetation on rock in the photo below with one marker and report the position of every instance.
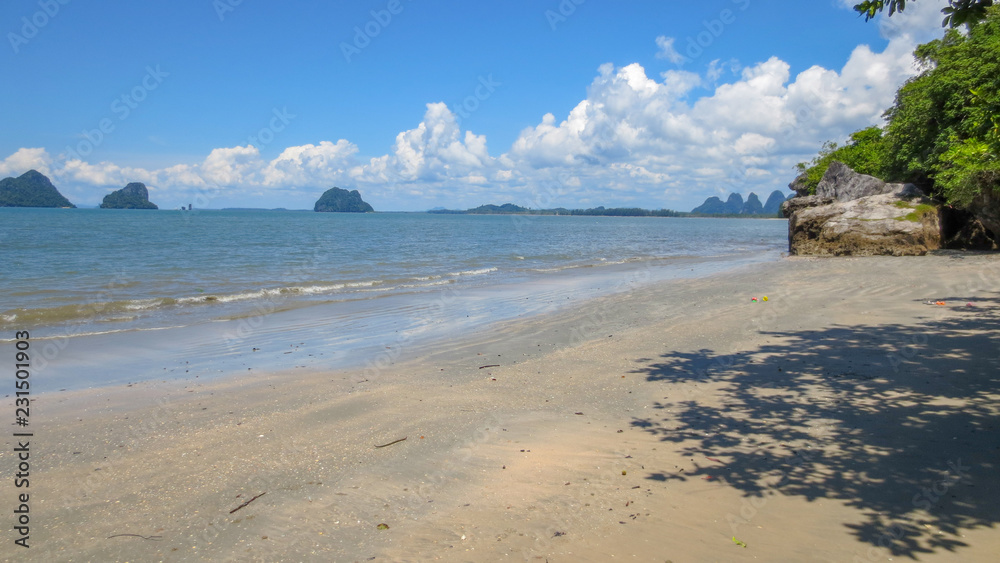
(31, 189)
(337, 200)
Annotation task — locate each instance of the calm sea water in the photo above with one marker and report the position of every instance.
(123, 296)
(86, 270)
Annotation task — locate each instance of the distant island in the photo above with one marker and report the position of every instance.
(511, 209)
(31, 189)
(337, 200)
(736, 206)
(133, 196)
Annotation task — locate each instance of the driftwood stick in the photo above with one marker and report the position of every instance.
(154, 538)
(392, 442)
(247, 502)
(490, 366)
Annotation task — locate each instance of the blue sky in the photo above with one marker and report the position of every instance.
(572, 103)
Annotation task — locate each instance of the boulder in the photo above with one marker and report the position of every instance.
(896, 224)
(986, 208)
(843, 184)
(799, 186)
(794, 204)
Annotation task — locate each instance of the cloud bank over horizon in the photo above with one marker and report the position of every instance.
(667, 140)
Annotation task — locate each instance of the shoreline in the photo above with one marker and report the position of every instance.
(343, 334)
(653, 423)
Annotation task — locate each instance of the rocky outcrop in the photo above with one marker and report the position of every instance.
(843, 184)
(799, 186)
(133, 196)
(31, 189)
(858, 215)
(960, 229)
(336, 200)
(987, 209)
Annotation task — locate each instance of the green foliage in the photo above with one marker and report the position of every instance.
(966, 169)
(943, 130)
(336, 200)
(132, 196)
(943, 127)
(918, 213)
(957, 12)
(865, 152)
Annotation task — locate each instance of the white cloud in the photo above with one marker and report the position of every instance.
(668, 51)
(26, 159)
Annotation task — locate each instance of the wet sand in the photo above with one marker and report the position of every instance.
(845, 419)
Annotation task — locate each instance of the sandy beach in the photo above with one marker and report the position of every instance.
(844, 419)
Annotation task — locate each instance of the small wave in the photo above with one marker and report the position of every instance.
(473, 272)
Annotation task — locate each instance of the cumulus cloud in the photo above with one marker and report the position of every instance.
(24, 160)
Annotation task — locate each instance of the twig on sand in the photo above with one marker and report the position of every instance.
(392, 442)
(247, 502)
(154, 538)
(490, 366)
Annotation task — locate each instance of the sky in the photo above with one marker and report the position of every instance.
(420, 104)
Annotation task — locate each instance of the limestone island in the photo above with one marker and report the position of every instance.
(133, 196)
(31, 189)
(337, 200)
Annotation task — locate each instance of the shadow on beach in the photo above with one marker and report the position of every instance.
(897, 422)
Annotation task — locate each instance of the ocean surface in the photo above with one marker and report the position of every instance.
(209, 282)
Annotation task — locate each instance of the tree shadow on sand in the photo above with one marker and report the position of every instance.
(898, 422)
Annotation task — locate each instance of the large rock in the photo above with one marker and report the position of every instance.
(843, 184)
(133, 196)
(799, 186)
(31, 189)
(794, 204)
(898, 224)
(337, 200)
(986, 208)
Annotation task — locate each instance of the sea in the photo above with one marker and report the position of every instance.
(110, 296)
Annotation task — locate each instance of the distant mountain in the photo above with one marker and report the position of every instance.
(736, 206)
(752, 206)
(774, 201)
(31, 189)
(337, 200)
(133, 196)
